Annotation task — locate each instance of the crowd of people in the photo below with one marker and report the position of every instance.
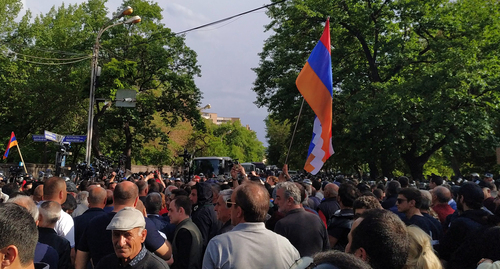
(250, 221)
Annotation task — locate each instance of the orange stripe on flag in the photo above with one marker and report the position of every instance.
(319, 99)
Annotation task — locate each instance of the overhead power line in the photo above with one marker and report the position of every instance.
(228, 18)
(86, 56)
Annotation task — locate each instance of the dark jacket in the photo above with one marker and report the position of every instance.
(203, 214)
(389, 201)
(461, 228)
(327, 208)
(339, 227)
(187, 246)
(60, 244)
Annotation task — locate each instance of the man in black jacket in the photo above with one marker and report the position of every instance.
(203, 213)
(340, 224)
(466, 226)
(187, 241)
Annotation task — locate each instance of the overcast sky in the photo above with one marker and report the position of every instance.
(226, 51)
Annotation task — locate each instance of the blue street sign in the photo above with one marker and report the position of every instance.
(39, 138)
(75, 138)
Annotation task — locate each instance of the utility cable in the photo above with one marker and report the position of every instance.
(153, 36)
(63, 63)
(228, 18)
(52, 59)
(43, 49)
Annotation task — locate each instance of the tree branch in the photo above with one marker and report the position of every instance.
(375, 77)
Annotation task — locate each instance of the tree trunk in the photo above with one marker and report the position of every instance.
(416, 165)
(373, 170)
(128, 145)
(455, 166)
(387, 166)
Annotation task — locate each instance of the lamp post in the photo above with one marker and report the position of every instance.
(90, 124)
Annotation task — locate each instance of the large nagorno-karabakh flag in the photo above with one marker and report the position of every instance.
(315, 84)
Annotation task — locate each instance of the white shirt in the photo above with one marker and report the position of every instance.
(65, 227)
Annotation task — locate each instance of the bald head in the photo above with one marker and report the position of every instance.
(55, 190)
(442, 194)
(38, 193)
(97, 197)
(331, 190)
(125, 194)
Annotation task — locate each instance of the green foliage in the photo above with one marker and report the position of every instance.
(228, 139)
(410, 76)
(277, 135)
(146, 57)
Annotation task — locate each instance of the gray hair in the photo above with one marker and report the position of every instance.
(26, 202)
(290, 190)
(226, 194)
(51, 212)
(81, 197)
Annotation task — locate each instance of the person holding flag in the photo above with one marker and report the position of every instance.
(316, 86)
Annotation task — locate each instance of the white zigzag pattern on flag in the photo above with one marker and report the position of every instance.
(317, 151)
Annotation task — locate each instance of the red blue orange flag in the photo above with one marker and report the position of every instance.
(12, 143)
(315, 84)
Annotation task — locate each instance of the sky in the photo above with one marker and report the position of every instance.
(226, 51)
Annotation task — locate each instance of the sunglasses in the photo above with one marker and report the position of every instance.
(228, 203)
(401, 200)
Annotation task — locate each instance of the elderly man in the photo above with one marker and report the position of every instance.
(223, 209)
(249, 244)
(18, 237)
(50, 212)
(329, 206)
(440, 198)
(305, 230)
(128, 234)
(95, 242)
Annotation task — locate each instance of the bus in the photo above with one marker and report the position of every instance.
(219, 166)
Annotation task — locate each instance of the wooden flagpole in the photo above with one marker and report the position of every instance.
(24, 165)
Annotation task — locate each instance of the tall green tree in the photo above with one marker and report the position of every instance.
(277, 135)
(45, 65)
(227, 140)
(410, 76)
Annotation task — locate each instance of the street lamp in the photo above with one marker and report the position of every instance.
(90, 124)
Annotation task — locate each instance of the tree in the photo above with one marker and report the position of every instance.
(410, 77)
(147, 57)
(277, 135)
(228, 139)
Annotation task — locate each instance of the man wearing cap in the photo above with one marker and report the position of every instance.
(95, 242)
(128, 234)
